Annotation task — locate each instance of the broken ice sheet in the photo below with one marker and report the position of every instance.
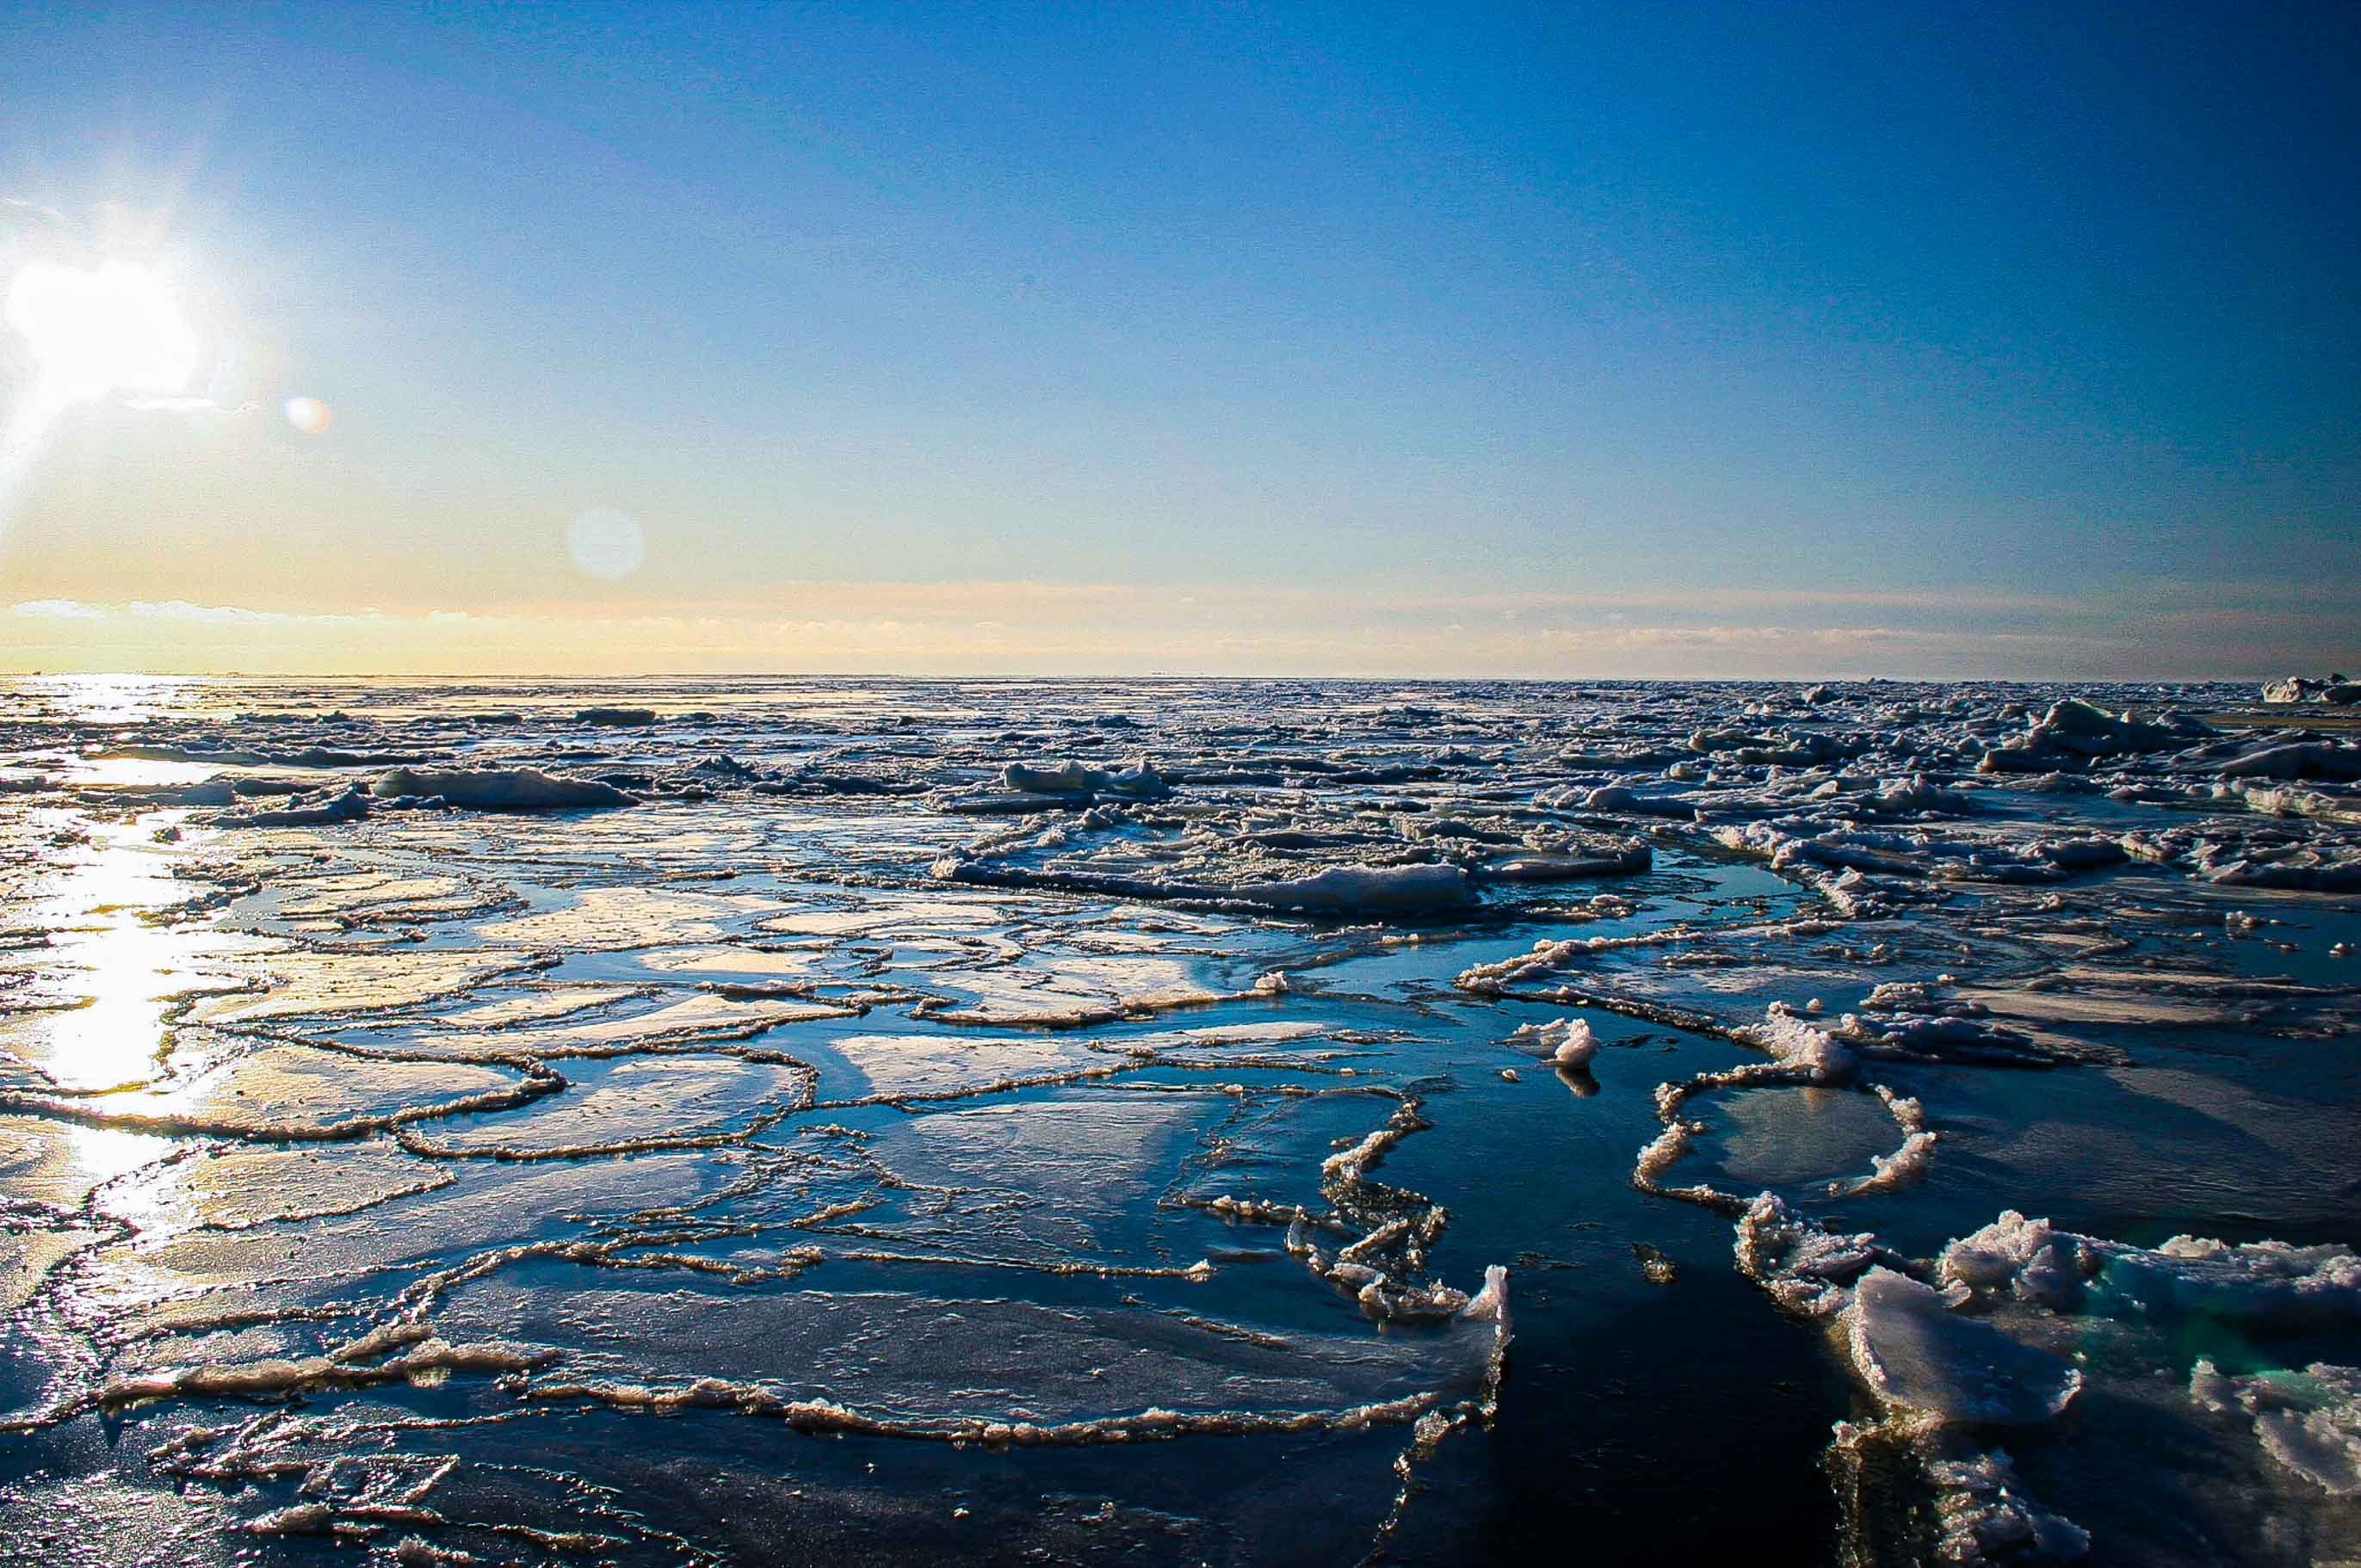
(586, 1169)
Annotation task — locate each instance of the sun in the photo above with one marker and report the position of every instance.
(91, 332)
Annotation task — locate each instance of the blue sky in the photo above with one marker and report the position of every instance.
(2012, 340)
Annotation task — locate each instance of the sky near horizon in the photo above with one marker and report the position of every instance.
(1553, 340)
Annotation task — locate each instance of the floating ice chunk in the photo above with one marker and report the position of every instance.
(2306, 870)
(349, 806)
(1491, 1303)
(1345, 890)
(1947, 1037)
(1140, 782)
(1632, 857)
(1915, 1354)
(1567, 1042)
(500, 789)
(211, 792)
(2029, 1259)
(2089, 853)
(2074, 728)
(2308, 1420)
(1914, 795)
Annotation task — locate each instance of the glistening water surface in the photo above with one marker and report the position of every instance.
(852, 1121)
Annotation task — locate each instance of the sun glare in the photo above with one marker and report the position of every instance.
(113, 328)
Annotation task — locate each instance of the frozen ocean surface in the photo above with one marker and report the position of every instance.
(865, 1121)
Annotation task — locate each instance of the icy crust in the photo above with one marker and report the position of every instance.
(1348, 889)
(972, 1368)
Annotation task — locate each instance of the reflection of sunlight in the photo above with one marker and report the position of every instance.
(138, 773)
(102, 1154)
(114, 699)
(98, 997)
(118, 1036)
(123, 971)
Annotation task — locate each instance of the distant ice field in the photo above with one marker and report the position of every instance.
(851, 1121)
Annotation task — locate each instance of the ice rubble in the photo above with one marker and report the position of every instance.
(2308, 1421)
(2040, 841)
(2267, 1282)
(1940, 1375)
(1800, 1047)
(1985, 1514)
(2074, 731)
(1138, 782)
(1908, 1162)
(1807, 1269)
(2336, 689)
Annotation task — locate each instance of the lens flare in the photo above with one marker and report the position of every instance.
(606, 543)
(310, 415)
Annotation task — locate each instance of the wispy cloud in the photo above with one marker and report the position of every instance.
(1014, 627)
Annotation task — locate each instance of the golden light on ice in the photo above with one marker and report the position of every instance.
(113, 328)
